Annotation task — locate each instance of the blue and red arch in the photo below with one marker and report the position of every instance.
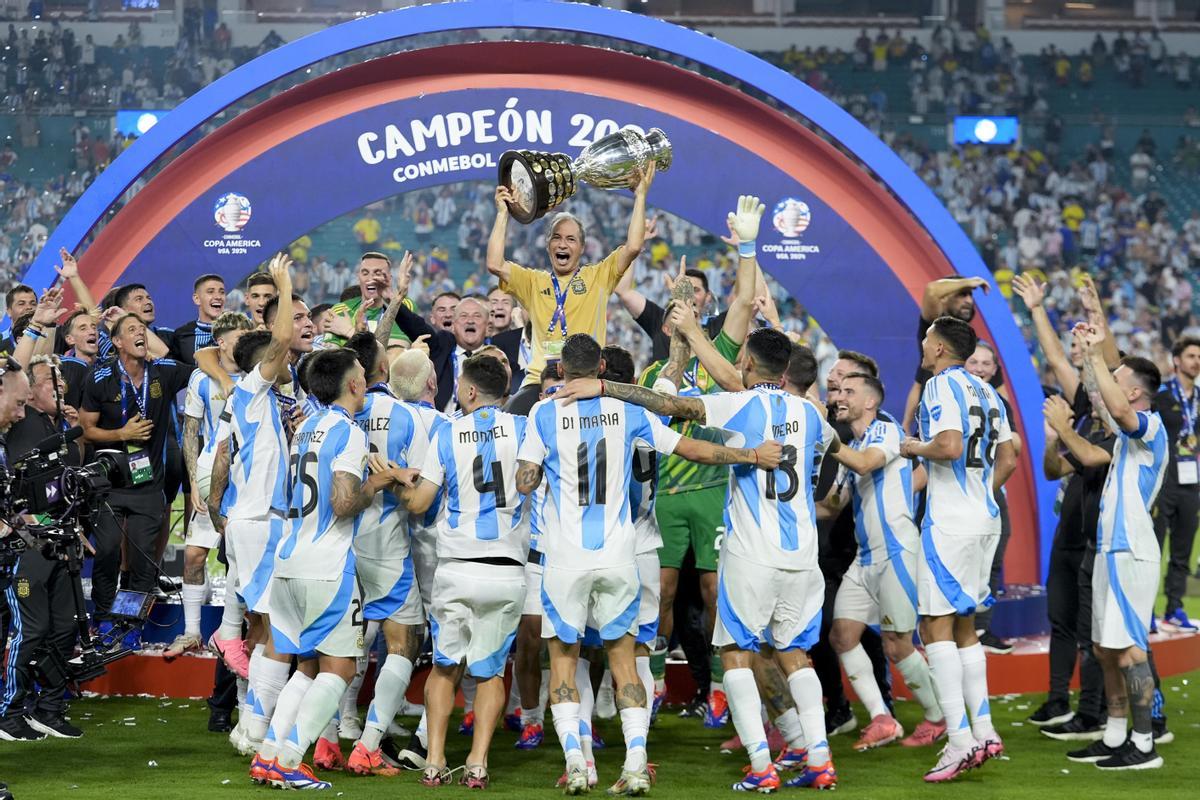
(877, 248)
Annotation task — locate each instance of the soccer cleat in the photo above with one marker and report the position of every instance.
(1051, 713)
(994, 644)
(369, 762)
(717, 714)
(775, 741)
(475, 777)
(1096, 751)
(300, 777)
(926, 733)
(1129, 757)
(328, 756)
(220, 720)
(819, 776)
(242, 742)
(532, 737)
(17, 729)
(764, 782)
(593, 777)
(349, 728)
(597, 740)
(791, 759)
(951, 763)
(411, 757)
(988, 749)
(233, 653)
(512, 722)
(632, 783)
(184, 643)
(1177, 622)
(881, 730)
(1079, 728)
(576, 780)
(659, 697)
(260, 769)
(840, 720)
(53, 724)
(467, 726)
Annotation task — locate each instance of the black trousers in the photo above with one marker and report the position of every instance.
(43, 607)
(1177, 511)
(137, 515)
(983, 619)
(1091, 676)
(825, 660)
(1063, 607)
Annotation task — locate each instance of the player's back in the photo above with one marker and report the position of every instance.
(318, 541)
(960, 497)
(482, 510)
(258, 451)
(389, 425)
(883, 498)
(426, 418)
(771, 518)
(1139, 463)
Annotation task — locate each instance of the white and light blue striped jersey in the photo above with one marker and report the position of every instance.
(383, 528)
(642, 490)
(426, 418)
(959, 498)
(258, 451)
(318, 543)
(883, 498)
(474, 460)
(1139, 461)
(205, 402)
(539, 522)
(586, 452)
(770, 518)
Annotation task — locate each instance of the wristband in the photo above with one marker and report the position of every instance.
(32, 334)
(755, 457)
(746, 249)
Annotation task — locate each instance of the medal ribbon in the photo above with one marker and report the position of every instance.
(1189, 408)
(560, 303)
(143, 399)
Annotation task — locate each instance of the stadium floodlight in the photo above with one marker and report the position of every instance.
(135, 122)
(984, 130)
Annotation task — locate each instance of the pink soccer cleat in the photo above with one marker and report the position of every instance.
(951, 763)
(233, 653)
(881, 730)
(926, 733)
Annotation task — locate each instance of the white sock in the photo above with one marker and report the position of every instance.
(643, 670)
(269, 679)
(1142, 740)
(468, 689)
(789, 726)
(232, 614)
(423, 731)
(243, 686)
(975, 693)
(348, 707)
(946, 669)
(861, 673)
(806, 694)
(635, 725)
(566, 724)
(193, 601)
(284, 717)
(745, 709)
(1114, 731)
(330, 734)
(256, 656)
(587, 705)
(920, 683)
(320, 704)
(390, 686)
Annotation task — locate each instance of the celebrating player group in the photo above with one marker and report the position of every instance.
(517, 495)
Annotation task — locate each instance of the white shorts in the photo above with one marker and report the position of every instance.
(759, 605)
(200, 532)
(310, 617)
(953, 573)
(648, 572)
(608, 599)
(255, 543)
(533, 590)
(1123, 594)
(389, 590)
(422, 546)
(882, 593)
(476, 610)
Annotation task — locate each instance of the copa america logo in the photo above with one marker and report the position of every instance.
(232, 212)
(791, 217)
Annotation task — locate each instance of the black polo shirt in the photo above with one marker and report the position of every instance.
(107, 392)
(188, 338)
(1171, 411)
(36, 427)
(74, 372)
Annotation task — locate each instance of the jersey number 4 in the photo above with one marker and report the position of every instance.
(495, 486)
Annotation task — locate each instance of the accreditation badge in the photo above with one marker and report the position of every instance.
(1188, 470)
(140, 470)
(553, 347)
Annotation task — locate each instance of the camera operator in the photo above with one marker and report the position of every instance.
(129, 403)
(14, 392)
(42, 588)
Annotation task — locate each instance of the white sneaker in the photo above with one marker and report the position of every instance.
(409, 709)
(350, 728)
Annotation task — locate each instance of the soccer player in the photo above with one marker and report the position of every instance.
(591, 577)
(479, 586)
(260, 290)
(1125, 580)
(248, 501)
(203, 404)
(375, 287)
(966, 444)
(570, 297)
(316, 606)
(879, 588)
(208, 293)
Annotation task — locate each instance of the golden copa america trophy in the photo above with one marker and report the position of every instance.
(541, 181)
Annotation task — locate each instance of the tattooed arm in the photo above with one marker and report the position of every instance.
(767, 455)
(1092, 387)
(351, 495)
(529, 476)
(659, 403)
(217, 485)
(676, 359)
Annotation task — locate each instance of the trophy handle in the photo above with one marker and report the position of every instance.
(660, 148)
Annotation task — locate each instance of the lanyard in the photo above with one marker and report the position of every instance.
(142, 400)
(425, 404)
(1189, 406)
(560, 303)
(380, 388)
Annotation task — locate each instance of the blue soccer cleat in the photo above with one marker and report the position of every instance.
(531, 737)
(765, 782)
(300, 777)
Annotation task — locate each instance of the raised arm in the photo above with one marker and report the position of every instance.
(743, 231)
(38, 337)
(627, 292)
(1034, 293)
(276, 360)
(1090, 299)
(1060, 420)
(1054, 466)
(69, 272)
(495, 249)
(688, 328)
(766, 456)
(218, 482)
(529, 476)
(635, 238)
(383, 328)
(1112, 396)
(939, 291)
